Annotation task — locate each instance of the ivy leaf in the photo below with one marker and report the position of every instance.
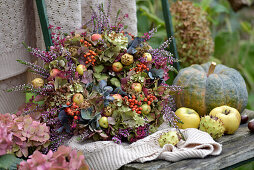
(87, 77)
(119, 90)
(9, 161)
(134, 44)
(107, 90)
(98, 69)
(115, 82)
(110, 98)
(156, 73)
(87, 113)
(63, 117)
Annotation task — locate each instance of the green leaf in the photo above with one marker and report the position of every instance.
(115, 82)
(78, 88)
(98, 69)
(9, 161)
(59, 82)
(86, 114)
(100, 76)
(246, 26)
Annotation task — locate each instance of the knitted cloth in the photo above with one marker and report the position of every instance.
(107, 155)
(19, 22)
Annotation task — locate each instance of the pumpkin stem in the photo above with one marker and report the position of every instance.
(211, 68)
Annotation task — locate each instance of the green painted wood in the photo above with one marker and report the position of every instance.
(41, 7)
(170, 30)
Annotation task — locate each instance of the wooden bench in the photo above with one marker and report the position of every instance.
(237, 149)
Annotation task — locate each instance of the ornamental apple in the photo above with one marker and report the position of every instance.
(117, 96)
(117, 67)
(146, 109)
(127, 59)
(148, 57)
(137, 87)
(103, 122)
(80, 69)
(37, 82)
(78, 98)
(189, 117)
(230, 117)
(96, 37)
(54, 72)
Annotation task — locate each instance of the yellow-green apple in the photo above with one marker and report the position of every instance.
(78, 98)
(117, 67)
(137, 87)
(230, 117)
(54, 72)
(189, 117)
(80, 69)
(148, 57)
(96, 37)
(146, 109)
(103, 122)
(37, 82)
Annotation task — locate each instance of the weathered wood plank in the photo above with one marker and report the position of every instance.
(236, 148)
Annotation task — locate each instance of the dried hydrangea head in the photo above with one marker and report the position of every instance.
(192, 33)
(118, 39)
(5, 139)
(29, 133)
(63, 158)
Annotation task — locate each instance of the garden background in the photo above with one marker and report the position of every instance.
(232, 32)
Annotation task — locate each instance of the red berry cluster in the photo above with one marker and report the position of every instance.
(149, 99)
(90, 57)
(140, 67)
(73, 110)
(134, 104)
(86, 44)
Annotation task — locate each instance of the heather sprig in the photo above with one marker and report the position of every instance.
(168, 113)
(56, 138)
(35, 68)
(147, 36)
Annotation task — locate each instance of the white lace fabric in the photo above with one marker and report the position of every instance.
(107, 155)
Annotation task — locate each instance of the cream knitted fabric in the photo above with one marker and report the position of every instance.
(106, 155)
(19, 22)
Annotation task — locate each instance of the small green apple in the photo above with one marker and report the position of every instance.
(189, 117)
(37, 82)
(230, 117)
(117, 67)
(80, 69)
(78, 98)
(103, 122)
(146, 109)
(137, 87)
(148, 57)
